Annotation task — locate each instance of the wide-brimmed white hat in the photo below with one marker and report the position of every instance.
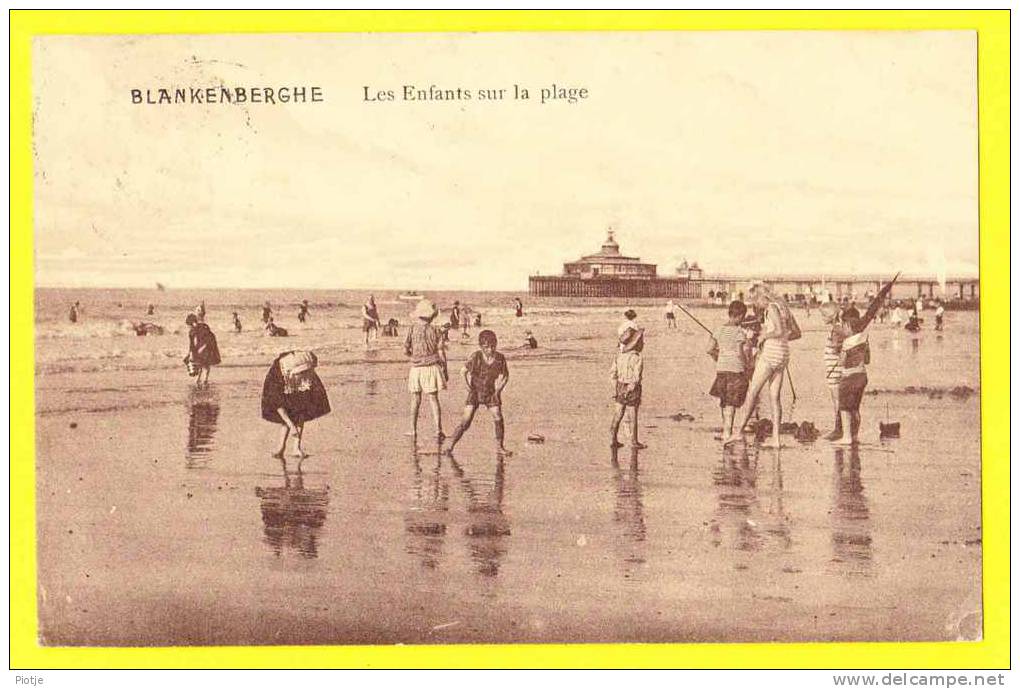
(424, 309)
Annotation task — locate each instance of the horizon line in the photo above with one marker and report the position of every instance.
(795, 277)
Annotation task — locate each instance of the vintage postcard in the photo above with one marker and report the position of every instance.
(451, 338)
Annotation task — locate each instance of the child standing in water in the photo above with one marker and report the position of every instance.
(292, 395)
(370, 319)
(428, 375)
(731, 350)
(203, 351)
(237, 323)
(670, 314)
(853, 357)
(626, 372)
(486, 374)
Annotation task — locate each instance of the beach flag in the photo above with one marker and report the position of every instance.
(876, 304)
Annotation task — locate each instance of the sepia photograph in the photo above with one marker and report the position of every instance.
(504, 338)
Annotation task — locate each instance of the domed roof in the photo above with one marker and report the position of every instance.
(610, 247)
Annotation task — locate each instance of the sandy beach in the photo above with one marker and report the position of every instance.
(163, 519)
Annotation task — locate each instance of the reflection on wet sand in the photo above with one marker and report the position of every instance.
(487, 526)
(629, 512)
(776, 523)
(292, 515)
(429, 516)
(203, 414)
(426, 519)
(851, 527)
(736, 478)
(754, 525)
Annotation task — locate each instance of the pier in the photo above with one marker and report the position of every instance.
(608, 273)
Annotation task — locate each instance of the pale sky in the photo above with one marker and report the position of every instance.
(752, 153)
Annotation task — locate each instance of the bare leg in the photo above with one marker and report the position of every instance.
(837, 431)
(776, 397)
(500, 428)
(283, 442)
(848, 426)
(758, 380)
(465, 423)
(299, 452)
(614, 428)
(727, 420)
(415, 406)
(437, 414)
(633, 420)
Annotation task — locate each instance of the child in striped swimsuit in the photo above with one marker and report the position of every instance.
(833, 371)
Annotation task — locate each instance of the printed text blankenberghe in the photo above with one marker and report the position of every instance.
(234, 95)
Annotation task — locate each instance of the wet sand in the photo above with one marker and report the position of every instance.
(163, 519)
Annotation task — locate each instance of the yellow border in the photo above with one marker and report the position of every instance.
(993, 82)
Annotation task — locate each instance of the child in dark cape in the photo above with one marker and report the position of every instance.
(292, 395)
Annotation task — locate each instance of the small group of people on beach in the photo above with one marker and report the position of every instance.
(752, 355)
(751, 351)
(846, 355)
(293, 394)
(485, 376)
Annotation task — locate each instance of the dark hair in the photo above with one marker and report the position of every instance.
(630, 314)
(192, 319)
(487, 337)
(737, 309)
(850, 313)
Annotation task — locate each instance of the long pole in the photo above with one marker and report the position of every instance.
(703, 327)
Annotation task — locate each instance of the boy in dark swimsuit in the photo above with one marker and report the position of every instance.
(486, 374)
